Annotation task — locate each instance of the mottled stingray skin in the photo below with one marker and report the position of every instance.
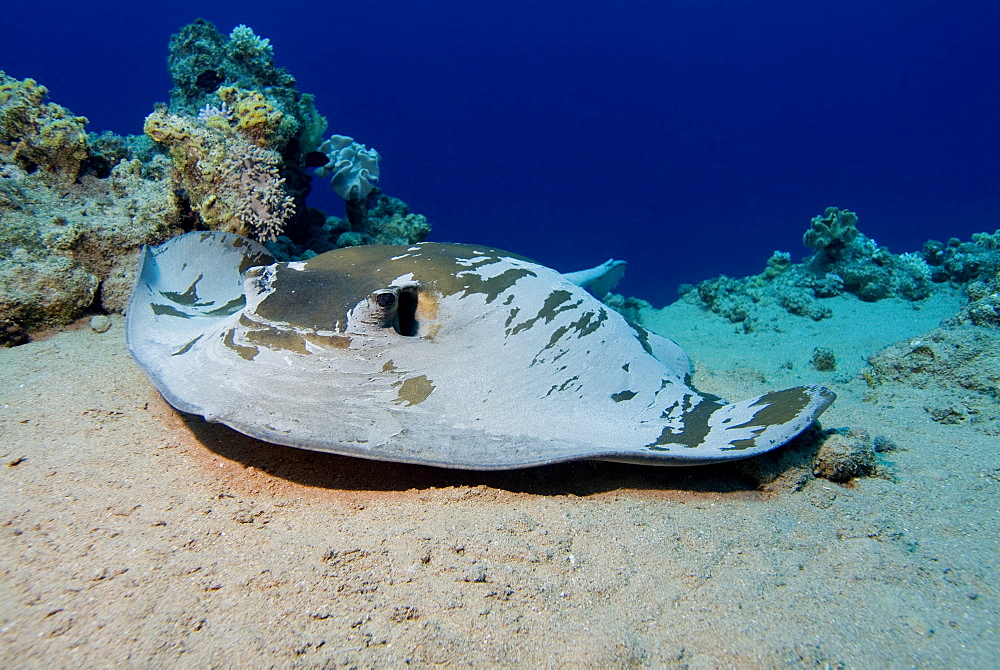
(444, 354)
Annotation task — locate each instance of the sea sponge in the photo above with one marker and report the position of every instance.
(37, 135)
(352, 167)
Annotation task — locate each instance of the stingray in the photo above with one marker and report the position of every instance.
(449, 355)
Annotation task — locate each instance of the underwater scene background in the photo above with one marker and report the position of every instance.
(807, 194)
(688, 138)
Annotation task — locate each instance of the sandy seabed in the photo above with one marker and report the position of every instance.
(136, 536)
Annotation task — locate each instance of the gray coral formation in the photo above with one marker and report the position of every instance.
(73, 248)
(960, 359)
(976, 266)
(40, 136)
(845, 261)
(866, 269)
(70, 232)
(229, 153)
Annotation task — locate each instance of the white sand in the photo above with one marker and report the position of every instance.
(133, 536)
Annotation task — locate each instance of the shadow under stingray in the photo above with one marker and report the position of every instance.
(581, 478)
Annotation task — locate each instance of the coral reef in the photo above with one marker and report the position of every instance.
(237, 130)
(71, 248)
(241, 135)
(74, 213)
(39, 136)
(229, 153)
(866, 270)
(844, 260)
(231, 183)
(207, 68)
(976, 266)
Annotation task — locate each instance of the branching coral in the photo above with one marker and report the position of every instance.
(244, 45)
(261, 203)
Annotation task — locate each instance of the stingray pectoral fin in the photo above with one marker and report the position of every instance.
(183, 288)
(711, 432)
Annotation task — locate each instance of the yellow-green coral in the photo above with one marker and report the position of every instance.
(254, 115)
(230, 182)
(39, 135)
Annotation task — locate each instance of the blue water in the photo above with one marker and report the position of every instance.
(689, 137)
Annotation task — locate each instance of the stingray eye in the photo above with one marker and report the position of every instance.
(385, 299)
